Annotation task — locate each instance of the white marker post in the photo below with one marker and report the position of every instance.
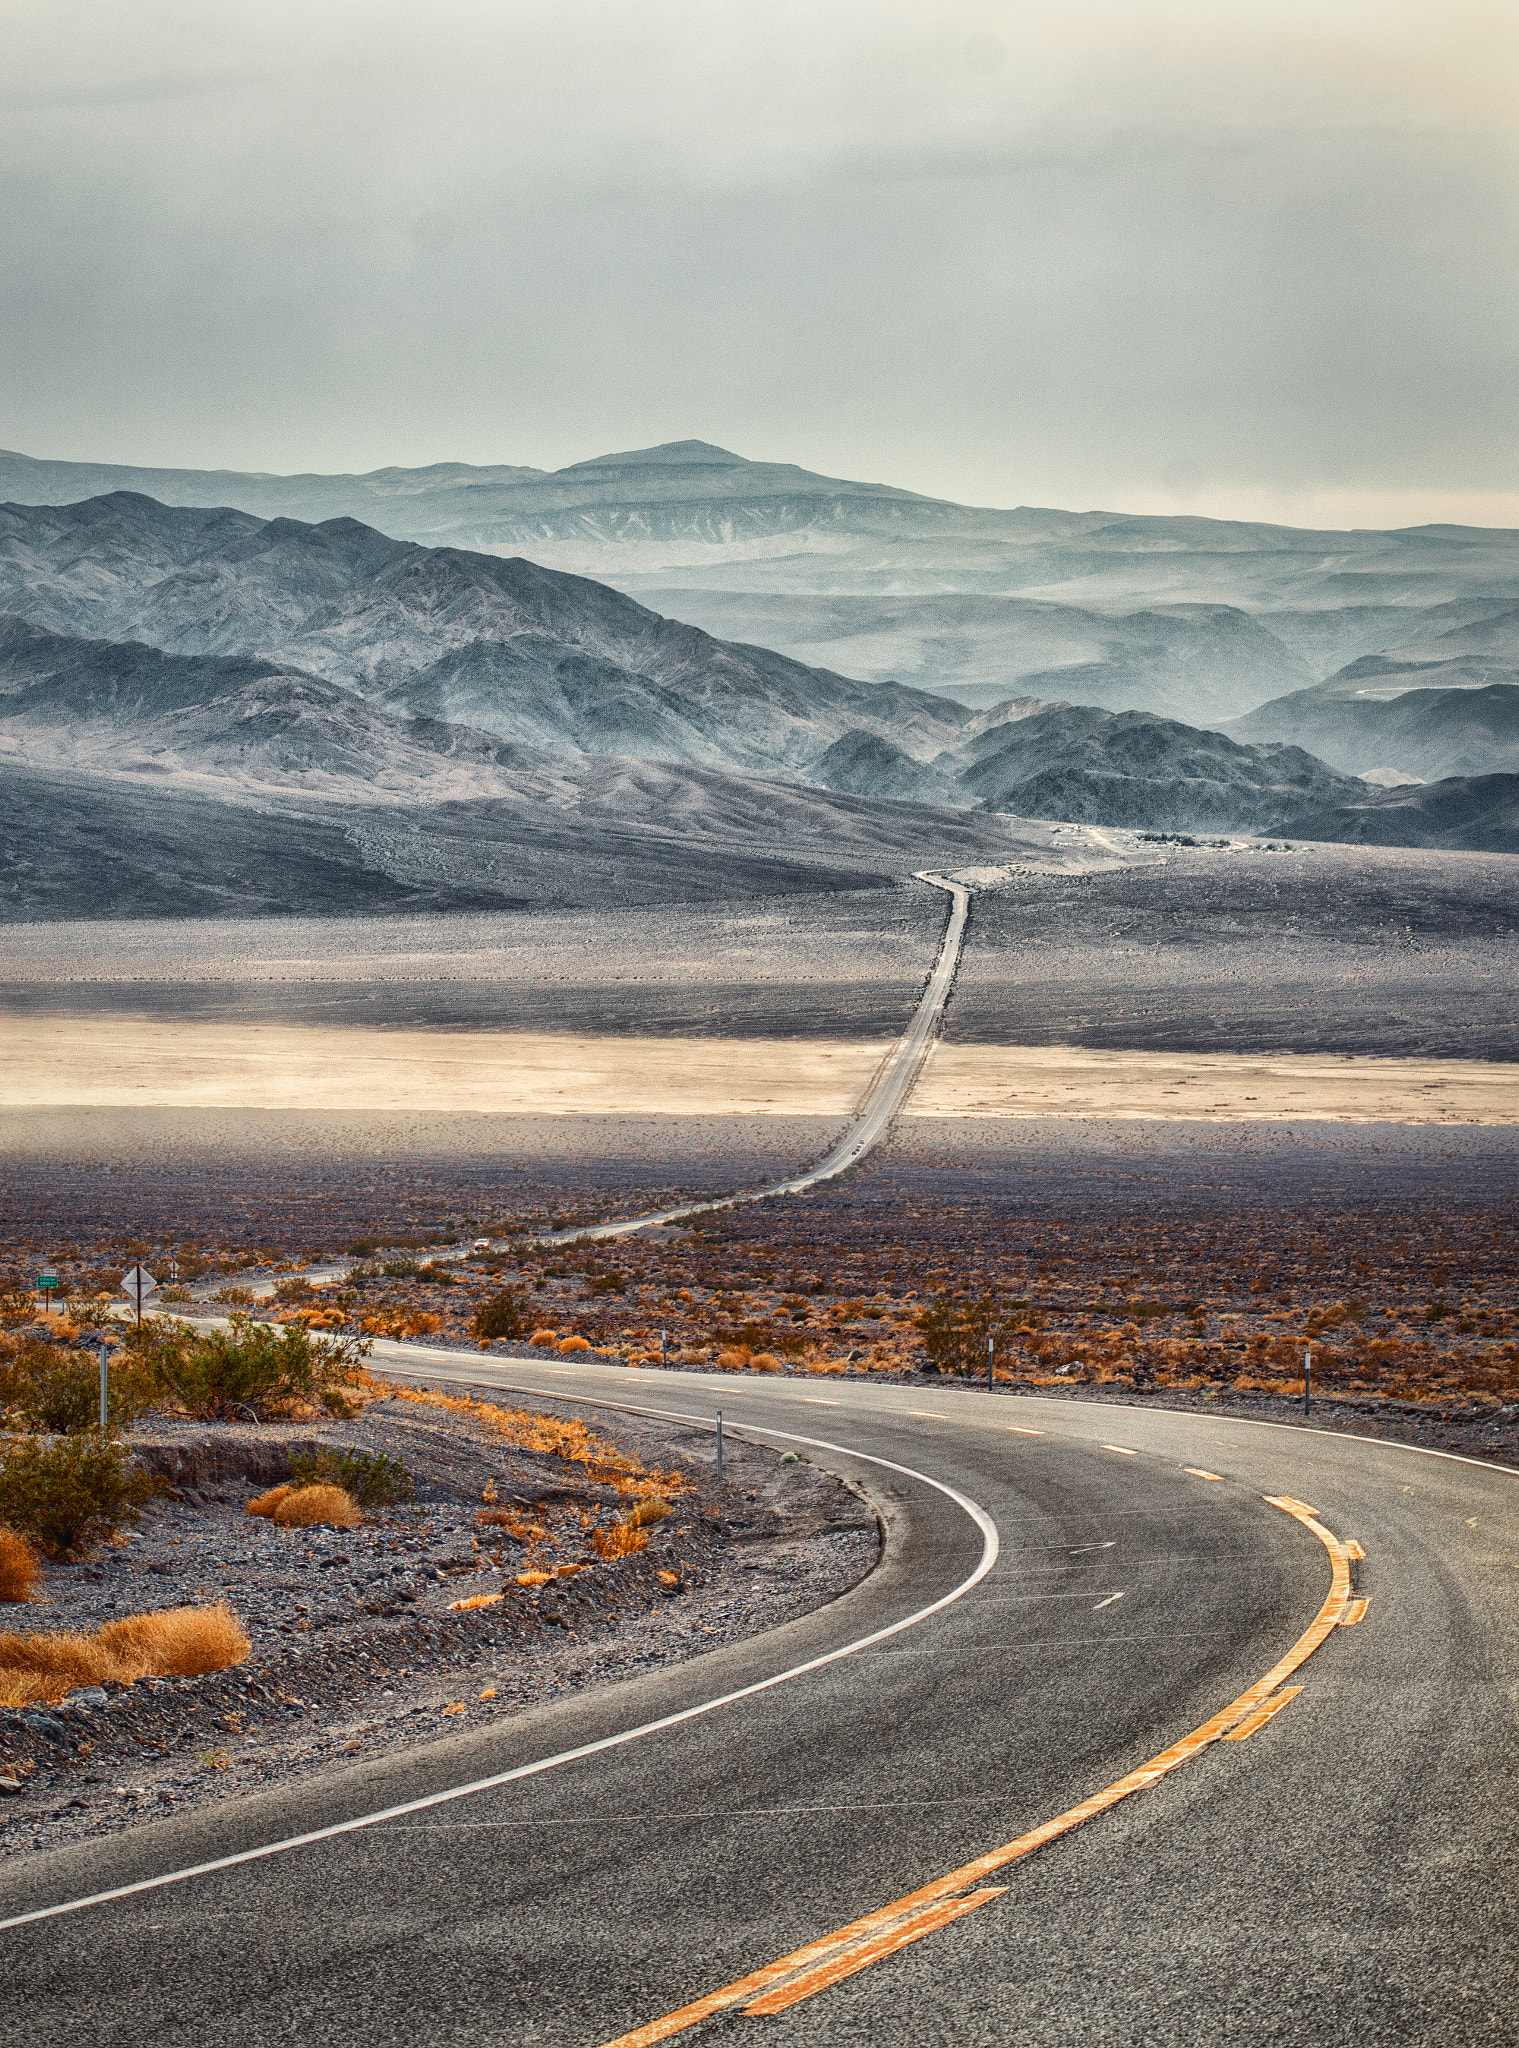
(1307, 1380)
(719, 1446)
(991, 1353)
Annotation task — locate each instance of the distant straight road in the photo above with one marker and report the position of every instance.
(886, 1095)
(1069, 1592)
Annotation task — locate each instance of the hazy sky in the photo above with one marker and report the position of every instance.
(1249, 257)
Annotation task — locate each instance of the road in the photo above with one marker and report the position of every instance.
(890, 1086)
(1068, 1592)
(889, 1089)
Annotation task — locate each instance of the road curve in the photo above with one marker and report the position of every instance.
(892, 1084)
(1339, 1875)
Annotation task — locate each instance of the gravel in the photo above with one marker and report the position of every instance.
(356, 1651)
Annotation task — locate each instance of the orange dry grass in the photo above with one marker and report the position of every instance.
(544, 1337)
(568, 1439)
(179, 1642)
(514, 1525)
(622, 1540)
(266, 1503)
(400, 1322)
(309, 1507)
(574, 1344)
(18, 1566)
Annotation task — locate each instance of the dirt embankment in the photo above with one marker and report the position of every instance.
(362, 1641)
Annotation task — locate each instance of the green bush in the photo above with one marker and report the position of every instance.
(71, 1494)
(251, 1370)
(384, 1269)
(57, 1391)
(502, 1315)
(955, 1330)
(372, 1478)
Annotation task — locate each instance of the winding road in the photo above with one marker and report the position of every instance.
(1150, 1728)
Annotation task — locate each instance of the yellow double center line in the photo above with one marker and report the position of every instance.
(863, 1942)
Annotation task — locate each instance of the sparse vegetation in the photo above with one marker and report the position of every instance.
(71, 1494)
(253, 1370)
(369, 1477)
(55, 1389)
(310, 1507)
(173, 1643)
(18, 1566)
(503, 1314)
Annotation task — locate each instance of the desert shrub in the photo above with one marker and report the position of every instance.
(514, 1523)
(57, 1390)
(266, 1503)
(18, 1566)
(544, 1337)
(179, 1642)
(611, 1282)
(955, 1331)
(573, 1344)
(297, 1288)
(70, 1494)
(618, 1541)
(310, 1507)
(437, 1276)
(501, 1315)
(370, 1477)
(239, 1296)
(400, 1322)
(251, 1369)
(648, 1512)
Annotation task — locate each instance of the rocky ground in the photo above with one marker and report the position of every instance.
(358, 1644)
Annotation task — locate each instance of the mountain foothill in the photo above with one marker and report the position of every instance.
(230, 706)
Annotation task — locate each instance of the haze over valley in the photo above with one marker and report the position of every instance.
(1148, 674)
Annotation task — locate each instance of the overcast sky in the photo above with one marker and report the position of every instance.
(1247, 257)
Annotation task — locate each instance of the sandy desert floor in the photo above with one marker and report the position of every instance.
(131, 1062)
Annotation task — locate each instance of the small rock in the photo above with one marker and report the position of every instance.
(49, 1728)
(9, 1787)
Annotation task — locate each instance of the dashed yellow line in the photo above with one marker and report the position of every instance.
(1198, 1472)
(835, 1956)
(1122, 1450)
(1013, 1430)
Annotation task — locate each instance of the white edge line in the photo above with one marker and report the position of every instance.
(1113, 1407)
(990, 1546)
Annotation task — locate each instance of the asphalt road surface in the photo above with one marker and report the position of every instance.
(1086, 1602)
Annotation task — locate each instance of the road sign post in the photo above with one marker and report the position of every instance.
(719, 1445)
(47, 1281)
(137, 1281)
(1307, 1381)
(991, 1355)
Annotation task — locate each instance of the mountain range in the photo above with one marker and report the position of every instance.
(1197, 619)
(439, 724)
